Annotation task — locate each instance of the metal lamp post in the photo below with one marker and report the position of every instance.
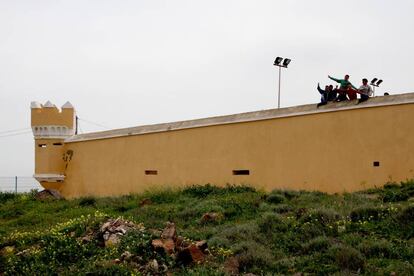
(375, 83)
(278, 62)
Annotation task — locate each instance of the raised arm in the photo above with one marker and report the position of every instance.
(333, 79)
(320, 90)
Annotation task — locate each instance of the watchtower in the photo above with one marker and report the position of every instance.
(50, 127)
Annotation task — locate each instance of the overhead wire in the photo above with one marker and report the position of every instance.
(16, 134)
(14, 130)
(93, 123)
(27, 130)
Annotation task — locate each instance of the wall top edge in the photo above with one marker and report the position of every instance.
(399, 99)
(49, 104)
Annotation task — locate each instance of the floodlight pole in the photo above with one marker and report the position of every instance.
(375, 83)
(278, 94)
(280, 62)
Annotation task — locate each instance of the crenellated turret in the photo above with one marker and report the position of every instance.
(50, 127)
(49, 122)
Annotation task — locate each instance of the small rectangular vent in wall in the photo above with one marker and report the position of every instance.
(42, 145)
(151, 172)
(241, 172)
(57, 144)
(376, 163)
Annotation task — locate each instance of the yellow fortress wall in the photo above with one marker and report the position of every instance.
(339, 147)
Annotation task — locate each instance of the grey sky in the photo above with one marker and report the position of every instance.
(128, 63)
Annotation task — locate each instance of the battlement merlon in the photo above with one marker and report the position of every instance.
(48, 121)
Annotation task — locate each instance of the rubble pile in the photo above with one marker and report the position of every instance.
(179, 249)
(113, 229)
(183, 251)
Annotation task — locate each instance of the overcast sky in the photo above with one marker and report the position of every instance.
(127, 63)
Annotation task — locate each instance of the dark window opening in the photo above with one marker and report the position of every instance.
(151, 172)
(241, 172)
(57, 144)
(376, 164)
(42, 145)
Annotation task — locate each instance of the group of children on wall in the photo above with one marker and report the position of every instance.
(346, 91)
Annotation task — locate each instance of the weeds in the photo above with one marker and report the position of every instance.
(347, 257)
(87, 201)
(282, 232)
(275, 198)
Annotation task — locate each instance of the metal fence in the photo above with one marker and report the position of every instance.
(18, 184)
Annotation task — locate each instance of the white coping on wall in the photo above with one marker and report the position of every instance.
(67, 105)
(49, 104)
(47, 177)
(35, 105)
(301, 110)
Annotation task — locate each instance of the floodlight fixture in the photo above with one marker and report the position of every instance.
(286, 62)
(278, 60)
(375, 83)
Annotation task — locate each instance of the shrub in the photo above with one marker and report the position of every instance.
(106, 268)
(367, 213)
(408, 187)
(11, 213)
(163, 196)
(318, 244)
(284, 266)
(6, 196)
(26, 265)
(202, 271)
(376, 248)
(391, 185)
(270, 223)
(237, 189)
(275, 198)
(201, 191)
(283, 208)
(352, 239)
(392, 192)
(347, 257)
(406, 215)
(291, 194)
(394, 195)
(208, 189)
(197, 210)
(399, 267)
(323, 216)
(241, 207)
(87, 201)
(318, 222)
(312, 197)
(309, 231)
(236, 233)
(253, 256)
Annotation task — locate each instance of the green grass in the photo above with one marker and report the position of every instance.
(282, 232)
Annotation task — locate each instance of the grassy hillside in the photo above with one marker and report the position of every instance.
(283, 232)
